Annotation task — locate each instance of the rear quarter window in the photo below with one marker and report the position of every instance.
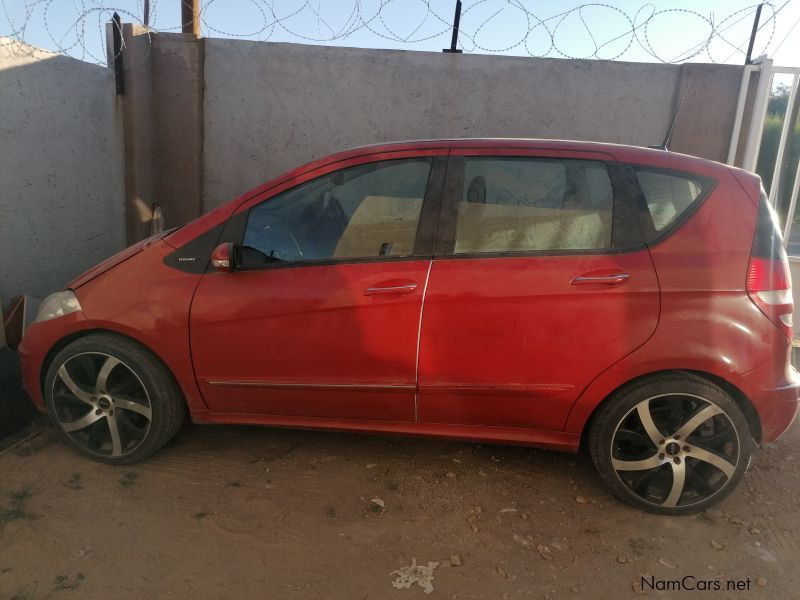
(668, 197)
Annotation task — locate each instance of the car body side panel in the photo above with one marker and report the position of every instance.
(708, 323)
(310, 340)
(509, 341)
(148, 302)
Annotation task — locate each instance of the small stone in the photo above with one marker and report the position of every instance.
(581, 500)
(482, 473)
(735, 521)
(761, 582)
(508, 509)
(755, 531)
(716, 545)
(455, 560)
(457, 460)
(502, 572)
(87, 551)
(544, 552)
(621, 559)
(378, 502)
(451, 475)
(665, 563)
(372, 465)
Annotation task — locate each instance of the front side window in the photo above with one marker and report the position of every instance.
(366, 211)
(523, 204)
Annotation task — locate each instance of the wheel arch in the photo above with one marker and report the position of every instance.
(734, 392)
(72, 337)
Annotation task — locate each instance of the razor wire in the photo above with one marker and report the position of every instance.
(607, 32)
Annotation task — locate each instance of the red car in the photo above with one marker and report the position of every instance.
(556, 294)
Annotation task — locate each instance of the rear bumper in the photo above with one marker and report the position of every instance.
(39, 340)
(776, 399)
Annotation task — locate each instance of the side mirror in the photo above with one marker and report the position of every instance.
(223, 258)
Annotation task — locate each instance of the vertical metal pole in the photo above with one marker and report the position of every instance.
(753, 35)
(190, 16)
(116, 33)
(759, 113)
(456, 23)
(147, 13)
(788, 125)
(737, 122)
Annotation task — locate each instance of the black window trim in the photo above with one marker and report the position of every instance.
(423, 240)
(622, 196)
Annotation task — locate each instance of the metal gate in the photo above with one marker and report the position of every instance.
(785, 180)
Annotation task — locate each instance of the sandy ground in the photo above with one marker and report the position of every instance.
(235, 512)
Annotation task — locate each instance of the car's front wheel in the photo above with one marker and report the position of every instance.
(672, 444)
(112, 399)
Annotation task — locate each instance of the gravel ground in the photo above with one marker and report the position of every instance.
(266, 513)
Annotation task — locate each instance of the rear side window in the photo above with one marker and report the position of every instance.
(668, 195)
(524, 204)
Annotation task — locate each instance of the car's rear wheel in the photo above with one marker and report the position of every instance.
(112, 399)
(672, 444)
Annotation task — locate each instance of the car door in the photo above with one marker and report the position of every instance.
(539, 283)
(321, 317)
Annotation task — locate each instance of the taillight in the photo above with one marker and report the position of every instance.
(769, 282)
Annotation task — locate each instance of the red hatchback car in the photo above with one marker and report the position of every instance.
(557, 294)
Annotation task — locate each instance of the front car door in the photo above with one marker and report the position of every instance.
(321, 318)
(539, 283)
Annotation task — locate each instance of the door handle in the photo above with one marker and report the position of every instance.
(400, 288)
(611, 279)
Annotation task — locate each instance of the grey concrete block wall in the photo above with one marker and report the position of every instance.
(61, 191)
(268, 107)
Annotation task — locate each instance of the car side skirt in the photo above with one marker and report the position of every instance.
(521, 436)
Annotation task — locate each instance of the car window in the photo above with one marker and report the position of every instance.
(667, 195)
(370, 210)
(534, 204)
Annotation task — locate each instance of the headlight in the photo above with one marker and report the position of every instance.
(57, 305)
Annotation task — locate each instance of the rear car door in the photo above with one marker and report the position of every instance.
(321, 319)
(539, 284)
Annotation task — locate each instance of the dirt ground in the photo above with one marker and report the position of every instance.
(237, 512)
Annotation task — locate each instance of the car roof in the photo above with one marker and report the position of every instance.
(620, 152)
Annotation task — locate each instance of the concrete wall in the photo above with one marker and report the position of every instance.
(61, 193)
(269, 107)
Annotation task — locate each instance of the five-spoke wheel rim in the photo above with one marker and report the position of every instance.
(675, 450)
(101, 404)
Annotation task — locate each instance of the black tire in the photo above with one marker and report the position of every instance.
(661, 475)
(104, 383)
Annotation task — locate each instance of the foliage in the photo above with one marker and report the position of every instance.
(773, 126)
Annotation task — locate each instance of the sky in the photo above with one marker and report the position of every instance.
(665, 30)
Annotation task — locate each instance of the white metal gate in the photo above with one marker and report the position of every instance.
(752, 147)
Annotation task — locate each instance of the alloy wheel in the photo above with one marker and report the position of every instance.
(675, 450)
(101, 404)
